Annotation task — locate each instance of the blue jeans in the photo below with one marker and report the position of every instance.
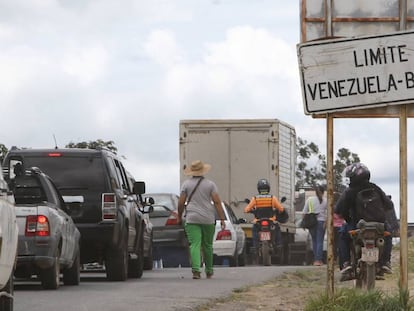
(318, 233)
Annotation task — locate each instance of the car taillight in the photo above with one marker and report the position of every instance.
(173, 219)
(224, 235)
(109, 211)
(37, 225)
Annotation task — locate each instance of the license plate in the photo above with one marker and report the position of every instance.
(264, 235)
(370, 254)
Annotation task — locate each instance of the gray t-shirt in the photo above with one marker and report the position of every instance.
(201, 209)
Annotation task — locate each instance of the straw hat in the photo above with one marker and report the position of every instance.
(197, 168)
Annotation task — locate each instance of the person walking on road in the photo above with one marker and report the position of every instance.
(199, 200)
(317, 204)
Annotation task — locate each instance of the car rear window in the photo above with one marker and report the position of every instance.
(71, 174)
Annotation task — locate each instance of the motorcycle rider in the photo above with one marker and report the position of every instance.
(359, 179)
(265, 205)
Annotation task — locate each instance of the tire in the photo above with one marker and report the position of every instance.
(242, 256)
(149, 258)
(50, 277)
(6, 303)
(266, 257)
(234, 260)
(71, 276)
(116, 263)
(369, 280)
(136, 262)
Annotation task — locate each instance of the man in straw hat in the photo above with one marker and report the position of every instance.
(199, 199)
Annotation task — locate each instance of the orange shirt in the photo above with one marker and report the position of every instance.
(264, 201)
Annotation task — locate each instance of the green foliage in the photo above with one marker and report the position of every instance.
(99, 143)
(308, 176)
(3, 152)
(351, 299)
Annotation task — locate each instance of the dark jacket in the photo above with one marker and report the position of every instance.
(345, 206)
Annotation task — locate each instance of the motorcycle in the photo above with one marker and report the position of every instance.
(366, 251)
(266, 228)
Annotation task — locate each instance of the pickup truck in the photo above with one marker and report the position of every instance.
(8, 245)
(48, 237)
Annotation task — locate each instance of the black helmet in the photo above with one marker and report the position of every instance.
(263, 186)
(357, 173)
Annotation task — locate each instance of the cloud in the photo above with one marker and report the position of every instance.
(162, 48)
(86, 64)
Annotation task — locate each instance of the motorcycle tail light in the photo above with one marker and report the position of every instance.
(223, 235)
(265, 223)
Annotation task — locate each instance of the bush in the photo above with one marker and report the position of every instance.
(354, 299)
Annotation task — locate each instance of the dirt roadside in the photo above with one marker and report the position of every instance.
(291, 291)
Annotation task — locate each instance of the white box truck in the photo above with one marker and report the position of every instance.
(241, 152)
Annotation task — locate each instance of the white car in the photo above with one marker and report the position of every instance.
(8, 245)
(230, 243)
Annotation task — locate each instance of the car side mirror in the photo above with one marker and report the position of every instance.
(149, 201)
(139, 187)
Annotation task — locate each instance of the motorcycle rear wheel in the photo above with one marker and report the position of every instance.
(266, 257)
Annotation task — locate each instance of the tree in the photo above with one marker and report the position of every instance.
(308, 176)
(3, 152)
(99, 143)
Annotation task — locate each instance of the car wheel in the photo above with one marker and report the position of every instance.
(136, 262)
(242, 256)
(234, 260)
(71, 276)
(116, 263)
(6, 302)
(50, 277)
(149, 258)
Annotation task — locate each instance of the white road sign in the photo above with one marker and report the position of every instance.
(358, 72)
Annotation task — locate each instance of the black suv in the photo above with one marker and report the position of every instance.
(96, 189)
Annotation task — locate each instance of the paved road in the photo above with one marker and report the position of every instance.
(157, 290)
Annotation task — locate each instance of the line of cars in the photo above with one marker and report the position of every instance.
(74, 207)
(70, 208)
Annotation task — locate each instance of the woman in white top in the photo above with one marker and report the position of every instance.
(317, 204)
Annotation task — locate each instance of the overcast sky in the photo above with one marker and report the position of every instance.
(128, 71)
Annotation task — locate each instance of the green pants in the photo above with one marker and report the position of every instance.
(200, 237)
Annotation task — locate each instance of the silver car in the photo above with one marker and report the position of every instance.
(48, 237)
(8, 245)
(169, 240)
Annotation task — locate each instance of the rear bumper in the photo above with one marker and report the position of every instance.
(224, 248)
(38, 252)
(96, 239)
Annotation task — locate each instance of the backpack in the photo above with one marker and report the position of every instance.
(370, 205)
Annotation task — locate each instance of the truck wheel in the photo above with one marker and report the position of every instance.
(6, 303)
(136, 262)
(50, 277)
(116, 263)
(71, 276)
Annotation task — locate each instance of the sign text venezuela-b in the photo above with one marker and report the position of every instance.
(359, 72)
